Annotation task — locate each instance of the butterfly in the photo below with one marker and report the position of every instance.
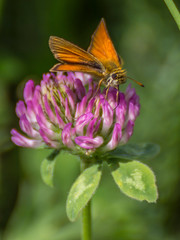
(100, 60)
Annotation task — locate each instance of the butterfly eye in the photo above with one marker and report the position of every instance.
(114, 76)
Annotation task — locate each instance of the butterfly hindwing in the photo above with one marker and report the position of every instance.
(76, 68)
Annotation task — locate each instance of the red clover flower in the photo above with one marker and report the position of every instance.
(65, 112)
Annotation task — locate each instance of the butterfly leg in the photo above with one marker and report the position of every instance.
(117, 94)
(117, 97)
(107, 90)
(99, 85)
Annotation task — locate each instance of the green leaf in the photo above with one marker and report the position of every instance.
(136, 180)
(82, 190)
(134, 151)
(47, 168)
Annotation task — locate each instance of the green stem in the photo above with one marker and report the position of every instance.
(86, 222)
(86, 214)
(174, 11)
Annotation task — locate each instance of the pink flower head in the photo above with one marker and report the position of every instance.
(65, 111)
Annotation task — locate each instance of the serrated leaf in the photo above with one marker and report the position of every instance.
(47, 168)
(134, 151)
(82, 190)
(136, 180)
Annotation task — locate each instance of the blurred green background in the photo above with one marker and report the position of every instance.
(147, 38)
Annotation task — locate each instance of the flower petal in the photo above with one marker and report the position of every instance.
(37, 99)
(23, 141)
(71, 98)
(90, 105)
(31, 115)
(121, 110)
(81, 106)
(80, 90)
(92, 127)
(116, 137)
(59, 118)
(20, 108)
(81, 122)
(29, 90)
(134, 108)
(129, 92)
(49, 111)
(67, 111)
(50, 142)
(107, 117)
(89, 143)
(127, 132)
(67, 135)
(46, 126)
(27, 127)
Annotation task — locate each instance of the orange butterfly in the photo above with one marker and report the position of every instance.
(101, 58)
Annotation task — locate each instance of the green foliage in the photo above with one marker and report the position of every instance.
(135, 179)
(47, 168)
(174, 11)
(143, 151)
(82, 190)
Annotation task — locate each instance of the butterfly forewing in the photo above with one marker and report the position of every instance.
(67, 52)
(103, 49)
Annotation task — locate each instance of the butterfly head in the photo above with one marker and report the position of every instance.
(117, 77)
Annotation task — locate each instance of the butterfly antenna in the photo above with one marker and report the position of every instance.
(136, 81)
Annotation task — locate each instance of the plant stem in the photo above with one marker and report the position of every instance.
(174, 11)
(86, 214)
(86, 222)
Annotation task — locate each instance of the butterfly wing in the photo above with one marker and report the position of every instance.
(76, 68)
(103, 49)
(73, 58)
